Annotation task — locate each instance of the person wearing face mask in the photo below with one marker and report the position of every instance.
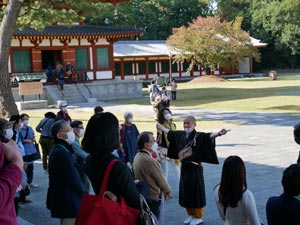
(30, 149)
(146, 168)
(128, 135)
(78, 130)
(164, 118)
(66, 188)
(63, 114)
(11, 165)
(192, 148)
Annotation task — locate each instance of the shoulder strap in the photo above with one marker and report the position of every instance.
(123, 133)
(105, 180)
(26, 134)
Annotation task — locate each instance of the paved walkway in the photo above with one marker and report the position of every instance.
(264, 141)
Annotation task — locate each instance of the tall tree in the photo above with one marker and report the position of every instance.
(208, 42)
(155, 17)
(36, 14)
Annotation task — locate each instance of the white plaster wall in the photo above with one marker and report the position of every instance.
(244, 67)
(102, 41)
(185, 74)
(15, 43)
(175, 74)
(9, 65)
(74, 42)
(84, 42)
(27, 43)
(45, 43)
(104, 75)
(56, 42)
(90, 75)
(217, 72)
(139, 77)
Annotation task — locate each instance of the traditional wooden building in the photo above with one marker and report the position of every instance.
(88, 48)
(150, 59)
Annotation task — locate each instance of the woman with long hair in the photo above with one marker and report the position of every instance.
(235, 203)
(164, 117)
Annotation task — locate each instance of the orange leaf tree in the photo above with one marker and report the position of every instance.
(208, 42)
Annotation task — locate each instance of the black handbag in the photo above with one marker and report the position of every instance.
(146, 216)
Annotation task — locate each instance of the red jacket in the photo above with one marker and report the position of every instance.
(10, 179)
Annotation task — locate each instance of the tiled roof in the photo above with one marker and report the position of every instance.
(78, 30)
(153, 48)
(141, 48)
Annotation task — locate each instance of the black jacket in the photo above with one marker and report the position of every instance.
(65, 186)
(120, 181)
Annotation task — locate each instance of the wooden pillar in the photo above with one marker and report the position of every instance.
(251, 64)
(111, 60)
(36, 55)
(95, 66)
(122, 69)
(147, 68)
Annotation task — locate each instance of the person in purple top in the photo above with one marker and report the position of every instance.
(11, 164)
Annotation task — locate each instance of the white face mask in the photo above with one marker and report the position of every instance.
(25, 122)
(71, 137)
(81, 132)
(188, 130)
(21, 125)
(154, 147)
(130, 120)
(168, 116)
(9, 132)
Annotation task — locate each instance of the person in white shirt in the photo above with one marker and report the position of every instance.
(235, 203)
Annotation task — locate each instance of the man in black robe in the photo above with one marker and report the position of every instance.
(191, 186)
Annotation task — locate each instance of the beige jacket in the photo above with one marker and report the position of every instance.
(148, 169)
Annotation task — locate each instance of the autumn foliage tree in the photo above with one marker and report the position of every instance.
(209, 42)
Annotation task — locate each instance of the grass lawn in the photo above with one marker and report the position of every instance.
(252, 95)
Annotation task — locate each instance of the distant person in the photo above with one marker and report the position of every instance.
(49, 73)
(284, 209)
(153, 91)
(60, 75)
(164, 118)
(146, 168)
(65, 185)
(11, 165)
(235, 203)
(46, 140)
(198, 147)
(30, 149)
(98, 109)
(18, 138)
(297, 138)
(101, 138)
(63, 114)
(78, 130)
(173, 89)
(129, 134)
(69, 71)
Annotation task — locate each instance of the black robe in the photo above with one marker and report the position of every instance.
(191, 186)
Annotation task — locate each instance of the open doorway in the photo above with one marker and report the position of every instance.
(51, 57)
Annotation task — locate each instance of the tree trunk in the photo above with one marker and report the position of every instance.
(7, 28)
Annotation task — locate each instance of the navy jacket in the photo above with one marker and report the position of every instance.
(283, 210)
(65, 186)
